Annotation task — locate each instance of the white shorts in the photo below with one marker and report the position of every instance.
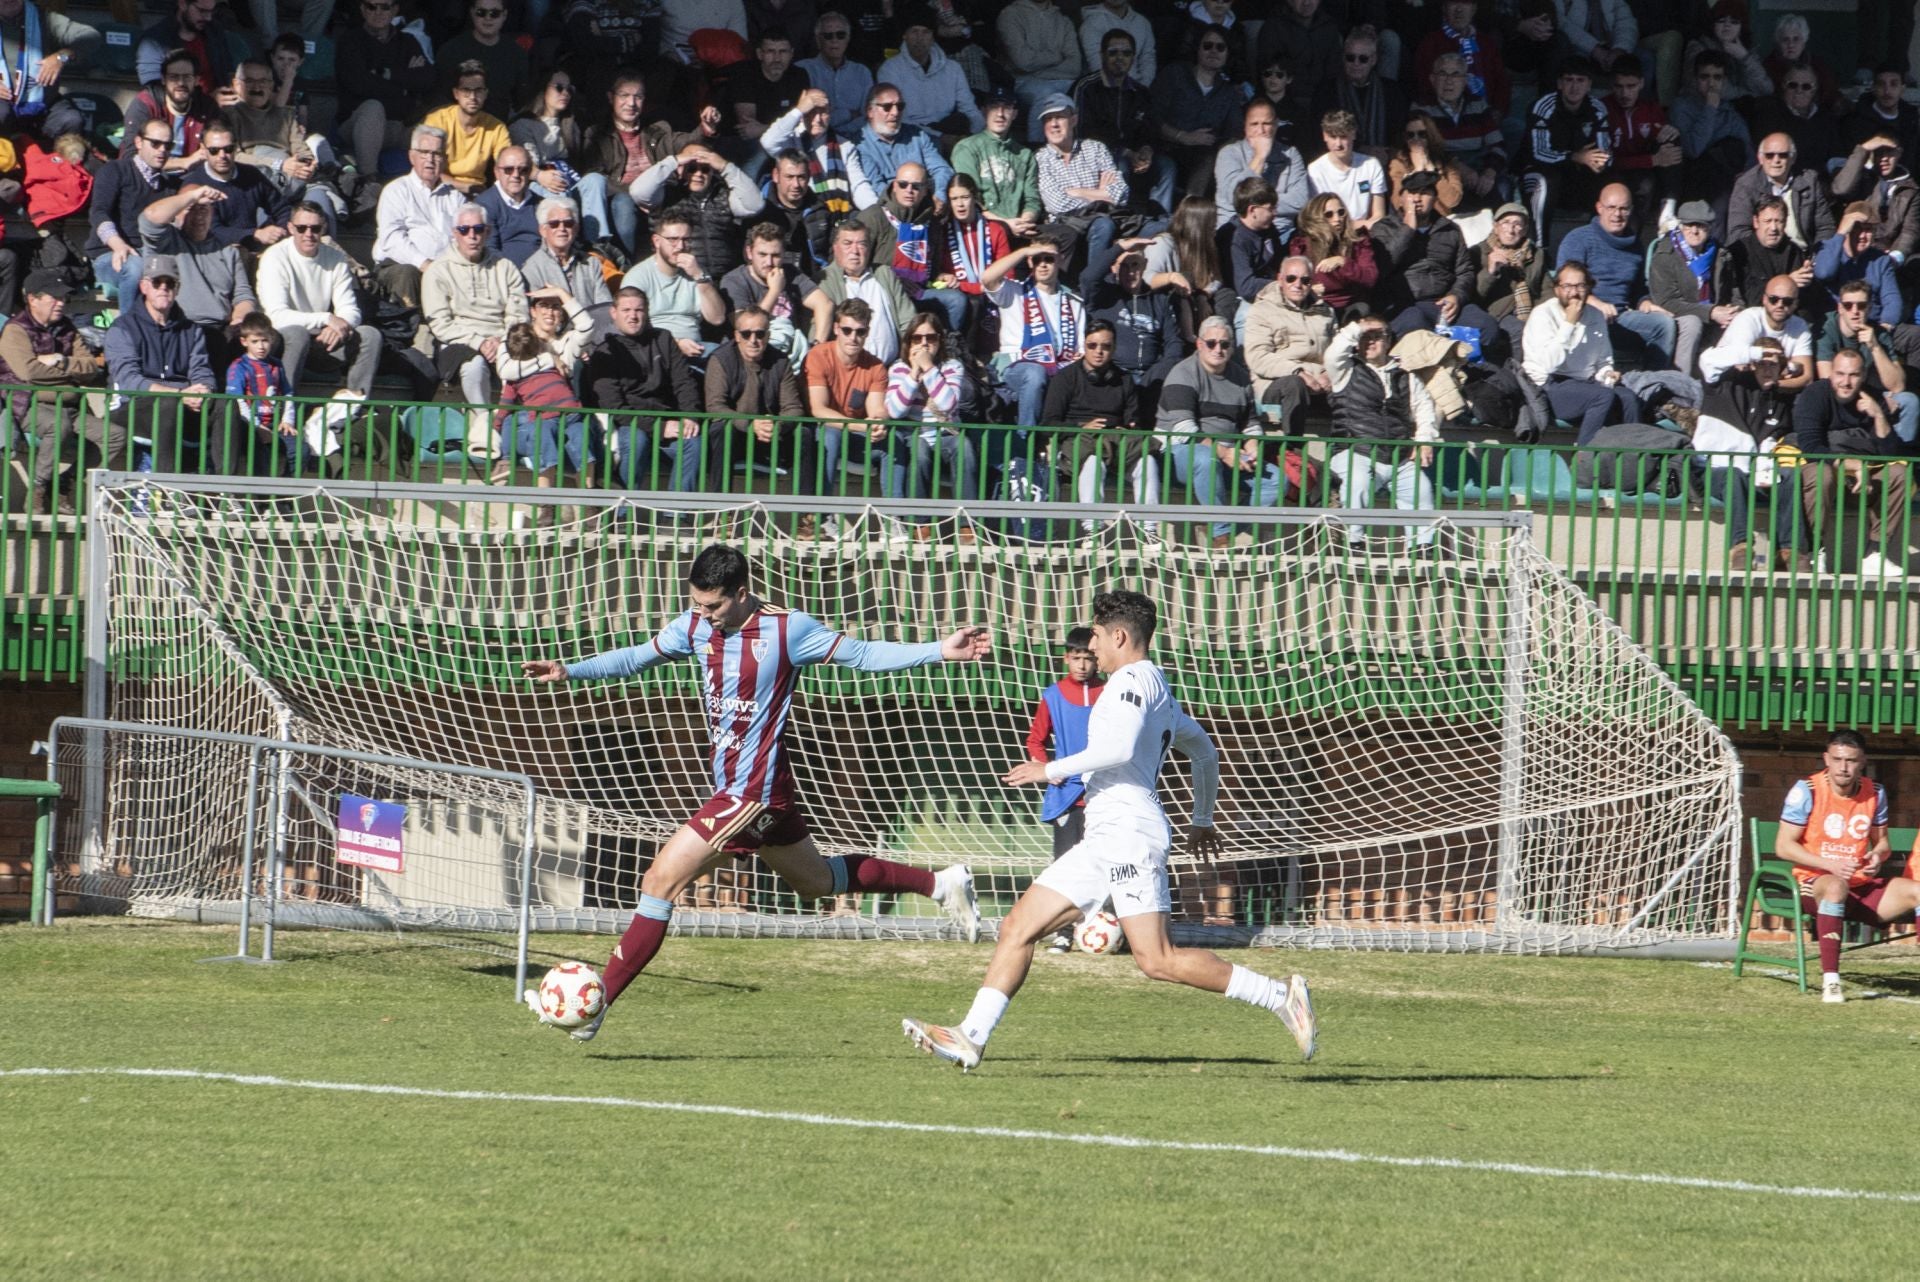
(1128, 868)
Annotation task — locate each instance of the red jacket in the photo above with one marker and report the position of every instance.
(54, 187)
(1636, 133)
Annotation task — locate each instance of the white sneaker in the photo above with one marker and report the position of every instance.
(1821, 564)
(1297, 1015)
(949, 1044)
(960, 901)
(829, 528)
(1831, 993)
(1059, 945)
(1875, 565)
(584, 1033)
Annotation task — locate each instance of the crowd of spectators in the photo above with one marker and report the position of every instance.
(1219, 224)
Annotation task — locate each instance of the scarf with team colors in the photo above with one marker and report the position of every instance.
(830, 181)
(1038, 342)
(910, 253)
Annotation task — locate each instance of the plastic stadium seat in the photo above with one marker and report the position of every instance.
(103, 121)
(317, 70)
(118, 41)
(1532, 475)
(439, 435)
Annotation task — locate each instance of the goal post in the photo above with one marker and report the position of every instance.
(1443, 747)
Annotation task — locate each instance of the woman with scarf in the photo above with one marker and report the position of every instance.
(1687, 274)
(965, 243)
(1344, 267)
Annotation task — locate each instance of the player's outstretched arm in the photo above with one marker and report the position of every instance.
(968, 645)
(544, 670)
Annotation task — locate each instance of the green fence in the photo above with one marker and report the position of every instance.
(1656, 538)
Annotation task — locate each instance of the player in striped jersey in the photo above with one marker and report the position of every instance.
(1124, 854)
(750, 655)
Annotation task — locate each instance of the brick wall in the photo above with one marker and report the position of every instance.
(27, 708)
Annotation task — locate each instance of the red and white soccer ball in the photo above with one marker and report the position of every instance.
(1099, 933)
(572, 994)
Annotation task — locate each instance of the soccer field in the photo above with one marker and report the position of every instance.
(751, 1109)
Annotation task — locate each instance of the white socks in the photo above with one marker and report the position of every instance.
(989, 1004)
(1256, 989)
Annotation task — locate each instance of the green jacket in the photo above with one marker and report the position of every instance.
(1007, 172)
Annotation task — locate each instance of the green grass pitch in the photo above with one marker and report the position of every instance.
(1665, 1070)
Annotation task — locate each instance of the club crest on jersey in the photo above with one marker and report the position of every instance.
(762, 647)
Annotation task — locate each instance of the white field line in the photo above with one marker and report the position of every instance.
(1344, 1156)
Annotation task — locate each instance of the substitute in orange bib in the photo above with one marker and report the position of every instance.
(1833, 829)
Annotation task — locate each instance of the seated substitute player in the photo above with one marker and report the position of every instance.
(1065, 707)
(751, 653)
(1833, 829)
(1124, 854)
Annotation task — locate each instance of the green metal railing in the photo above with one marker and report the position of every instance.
(1759, 648)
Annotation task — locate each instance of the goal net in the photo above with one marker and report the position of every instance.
(1420, 750)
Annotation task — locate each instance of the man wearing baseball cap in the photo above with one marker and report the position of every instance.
(153, 348)
(40, 347)
(1005, 168)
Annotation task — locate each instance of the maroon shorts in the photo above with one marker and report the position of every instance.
(740, 827)
(1863, 901)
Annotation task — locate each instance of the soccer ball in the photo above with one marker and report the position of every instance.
(1099, 933)
(572, 994)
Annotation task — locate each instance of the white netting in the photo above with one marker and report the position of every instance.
(1418, 751)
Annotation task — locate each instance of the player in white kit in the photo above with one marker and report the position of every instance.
(1124, 854)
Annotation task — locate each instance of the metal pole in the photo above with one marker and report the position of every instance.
(94, 778)
(1513, 711)
(526, 895)
(279, 860)
(249, 825)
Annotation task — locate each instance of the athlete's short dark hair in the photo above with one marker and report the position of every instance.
(719, 568)
(1847, 739)
(1129, 610)
(1078, 639)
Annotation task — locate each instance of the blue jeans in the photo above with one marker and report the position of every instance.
(889, 454)
(541, 440)
(1655, 332)
(1027, 383)
(1359, 474)
(1906, 415)
(959, 464)
(1195, 463)
(626, 219)
(125, 283)
(679, 461)
(950, 303)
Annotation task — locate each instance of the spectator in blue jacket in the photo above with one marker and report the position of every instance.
(888, 142)
(153, 347)
(1850, 254)
(1635, 323)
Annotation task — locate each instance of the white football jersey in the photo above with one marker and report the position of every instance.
(1135, 723)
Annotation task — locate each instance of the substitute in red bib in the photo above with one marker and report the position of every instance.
(750, 655)
(1833, 829)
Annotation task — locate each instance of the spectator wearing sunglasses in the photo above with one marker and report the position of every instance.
(305, 286)
(512, 207)
(1779, 174)
(252, 209)
(213, 289)
(471, 295)
(387, 74)
(561, 260)
(485, 41)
